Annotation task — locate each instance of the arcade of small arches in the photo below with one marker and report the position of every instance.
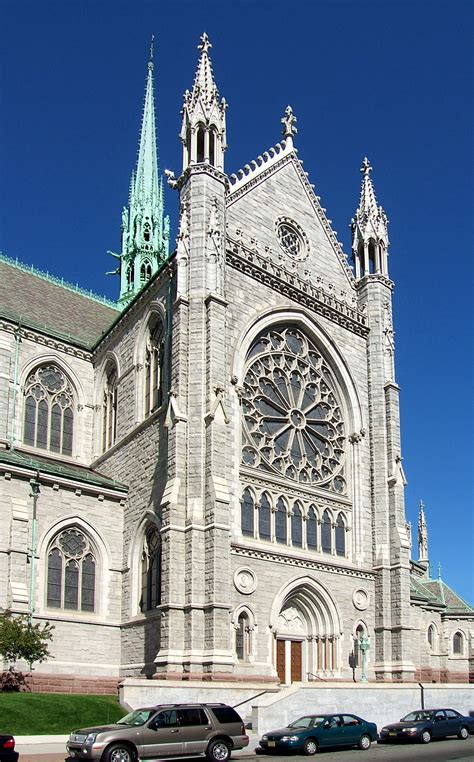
(371, 258)
(295, 524)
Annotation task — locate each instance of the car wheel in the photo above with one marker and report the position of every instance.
(463, 733)
(365, 742)
(218, 751)
(310, 747)
(119, 752)
(425, 736)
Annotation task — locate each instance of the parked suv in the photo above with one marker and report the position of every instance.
(167, 730)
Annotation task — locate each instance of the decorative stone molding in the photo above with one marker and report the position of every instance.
(293, 287)
(46, 341)
(245, 580)
(276, 557)
(361, 599)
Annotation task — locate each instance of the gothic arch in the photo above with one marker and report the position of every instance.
(103, 553)
(155, 312)
(79, 397)
(432, 637)
(305, 320)
(314, 599)
(134, 557)
(108, 361)
(248, 644)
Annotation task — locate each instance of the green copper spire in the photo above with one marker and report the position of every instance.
(145, 231)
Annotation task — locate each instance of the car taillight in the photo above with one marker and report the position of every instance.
(10, 744)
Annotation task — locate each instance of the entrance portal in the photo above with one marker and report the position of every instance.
(289, 660)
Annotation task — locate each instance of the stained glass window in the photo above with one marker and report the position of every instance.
(293, 422)
(109, 419)
(71, 572)
(311, 529)
(154, 360)
(247, 511)
(264, 513)
(280, 522)
(458, 643)
(49, 416)
(340, 536)
(151, 570)
(297, 526)
(326, 540)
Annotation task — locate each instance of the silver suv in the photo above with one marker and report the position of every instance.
(168, 730)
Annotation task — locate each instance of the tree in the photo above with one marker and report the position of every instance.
(22, 640)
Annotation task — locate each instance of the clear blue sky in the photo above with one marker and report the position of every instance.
(388, 79)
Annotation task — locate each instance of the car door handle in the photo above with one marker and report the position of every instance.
(175, 731)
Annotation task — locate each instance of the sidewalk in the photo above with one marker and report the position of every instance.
(53, 749)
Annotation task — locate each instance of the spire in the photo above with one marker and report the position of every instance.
(203, 130)
(145, 232)
(369, 230)
(422, 536)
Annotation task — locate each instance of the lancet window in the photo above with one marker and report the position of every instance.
(154, 361)
(312, 529)
(297, 526)
(242, 637)
(292, 419)
(340, 536)
(49, 410)
(264, 518)
(247, 512)
(145, 271)
(71, 575)
(280, 522)
(109, 409)
(326, 538)
(151, 570)
(458, 643)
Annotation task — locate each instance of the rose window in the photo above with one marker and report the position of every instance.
(293, 423)
(292, 238)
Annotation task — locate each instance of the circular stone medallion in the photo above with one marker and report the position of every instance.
(360, 599)
(245, 580)
(292, 238)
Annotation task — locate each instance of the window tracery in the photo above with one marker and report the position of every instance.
(293, 423)
(151, 570)
(49, 416)
(154, 360)
(71, 574)
(109, 417)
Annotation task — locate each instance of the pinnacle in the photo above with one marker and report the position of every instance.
(204, 84)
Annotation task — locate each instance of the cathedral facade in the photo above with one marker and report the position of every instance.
(204, 481)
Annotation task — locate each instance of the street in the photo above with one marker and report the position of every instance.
(436, 751)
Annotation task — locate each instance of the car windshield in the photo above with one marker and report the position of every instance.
(417, 717)
(310, 721)
(138, 717)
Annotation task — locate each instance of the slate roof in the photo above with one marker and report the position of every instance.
(58, 468)
(435, 592)
(60, 310)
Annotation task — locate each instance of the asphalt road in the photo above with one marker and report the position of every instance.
(436, 751)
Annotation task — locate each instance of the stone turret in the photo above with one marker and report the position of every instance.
(203, 131)
(369, 230)
(145, 231)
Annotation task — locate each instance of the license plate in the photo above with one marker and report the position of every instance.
(271, 743)
(393, 733)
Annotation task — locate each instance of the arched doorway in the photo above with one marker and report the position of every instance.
(306, 632)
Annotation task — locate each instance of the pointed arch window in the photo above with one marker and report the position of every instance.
(312, 529)
(247, 509)
(146, 230)
(359, 633)
(242, 637)
(109, 410)
(151, 570)
(212, 146)
(200, 142)
(264, 513)
(49, 410)
(340, 536)
(145, 271)
(280, 522)
(71, 572)
(154, 361)
(297, 526)
(431, 636)
(458, 643)
(326, 539)
(131, 275)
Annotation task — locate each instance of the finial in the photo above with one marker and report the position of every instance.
(204, 45)
(289, 121)
(152, 46)
(439, 570)
(366, 167)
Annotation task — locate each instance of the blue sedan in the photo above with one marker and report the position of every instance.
(309, 733)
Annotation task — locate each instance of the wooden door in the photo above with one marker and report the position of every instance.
(296, 661)
(280, 665)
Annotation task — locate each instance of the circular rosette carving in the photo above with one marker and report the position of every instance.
(292, 238)
(360, 599)
(245, 580)
(293, 424)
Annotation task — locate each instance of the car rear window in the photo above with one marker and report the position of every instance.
(225, 714)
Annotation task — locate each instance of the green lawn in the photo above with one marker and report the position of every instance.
(30, 714)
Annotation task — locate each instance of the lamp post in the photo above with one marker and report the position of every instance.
(35, 490)
(364, 645)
